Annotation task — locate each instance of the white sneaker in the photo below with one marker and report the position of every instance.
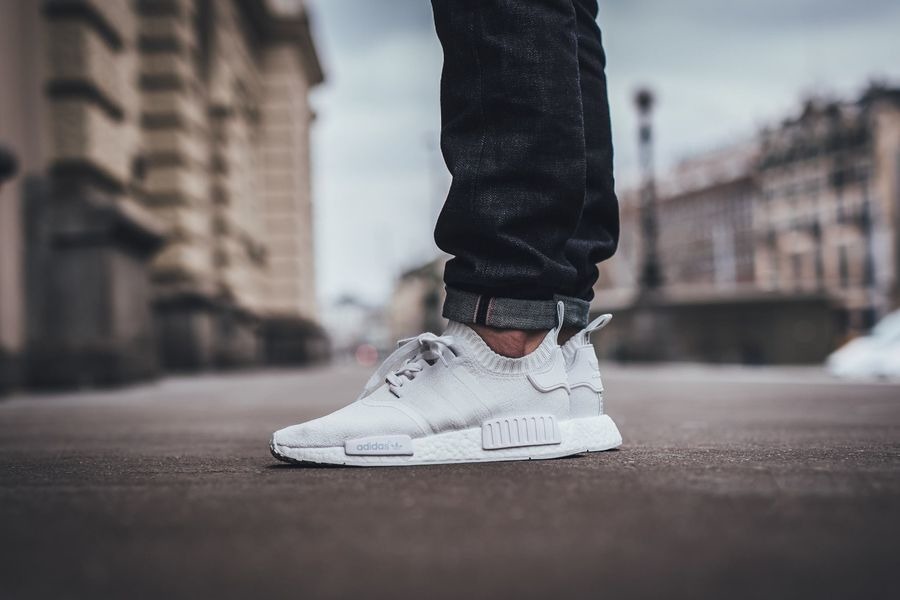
(451, 399)
(585, 385)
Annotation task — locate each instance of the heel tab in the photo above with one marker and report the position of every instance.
(560, 319)
(598, 323)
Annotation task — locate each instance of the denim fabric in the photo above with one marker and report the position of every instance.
(513, 313)
(526, 137)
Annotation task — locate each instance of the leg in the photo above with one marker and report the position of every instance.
(513, 139)
(597, 234)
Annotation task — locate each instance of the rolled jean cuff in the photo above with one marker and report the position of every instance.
(513, 313)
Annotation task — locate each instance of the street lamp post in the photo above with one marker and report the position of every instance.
(651, 277)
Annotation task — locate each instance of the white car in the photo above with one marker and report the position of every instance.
(876, 355)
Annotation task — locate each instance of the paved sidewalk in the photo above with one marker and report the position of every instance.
(731, 484)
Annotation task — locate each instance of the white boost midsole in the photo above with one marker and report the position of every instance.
(471, 445)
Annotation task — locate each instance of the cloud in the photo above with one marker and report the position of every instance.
(721, 70)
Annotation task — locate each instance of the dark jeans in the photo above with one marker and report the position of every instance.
(526, 136)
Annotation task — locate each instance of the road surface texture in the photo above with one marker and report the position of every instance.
(731, 484)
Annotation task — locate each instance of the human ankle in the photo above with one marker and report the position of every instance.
(511, 343)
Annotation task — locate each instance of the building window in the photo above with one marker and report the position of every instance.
(773, 270)
(843, 267)
(203, 25)
(797, 268)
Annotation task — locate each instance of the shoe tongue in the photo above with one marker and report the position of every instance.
(473, 346)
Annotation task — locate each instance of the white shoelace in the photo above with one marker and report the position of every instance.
(409, 359)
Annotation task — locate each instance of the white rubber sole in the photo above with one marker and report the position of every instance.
(588, 434)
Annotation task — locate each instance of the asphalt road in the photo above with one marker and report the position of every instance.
(730, 484)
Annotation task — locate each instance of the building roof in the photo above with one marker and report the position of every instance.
(710, 169)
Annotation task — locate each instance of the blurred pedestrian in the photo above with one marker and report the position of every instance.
(9, 165)
(530, 212)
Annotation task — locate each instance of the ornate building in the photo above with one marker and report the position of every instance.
(163, 214)
(827, 215)
(706, 240)
(802, 220)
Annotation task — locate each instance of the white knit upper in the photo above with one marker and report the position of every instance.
(448, 391)
(479, 351)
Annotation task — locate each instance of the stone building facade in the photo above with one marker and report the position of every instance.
(163, 214)
(800, 220)
(828, 213)
(705, 212)
(417, 300)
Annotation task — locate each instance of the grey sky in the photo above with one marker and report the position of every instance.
(720, 69)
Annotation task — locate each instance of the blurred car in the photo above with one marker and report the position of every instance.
(876, 355)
